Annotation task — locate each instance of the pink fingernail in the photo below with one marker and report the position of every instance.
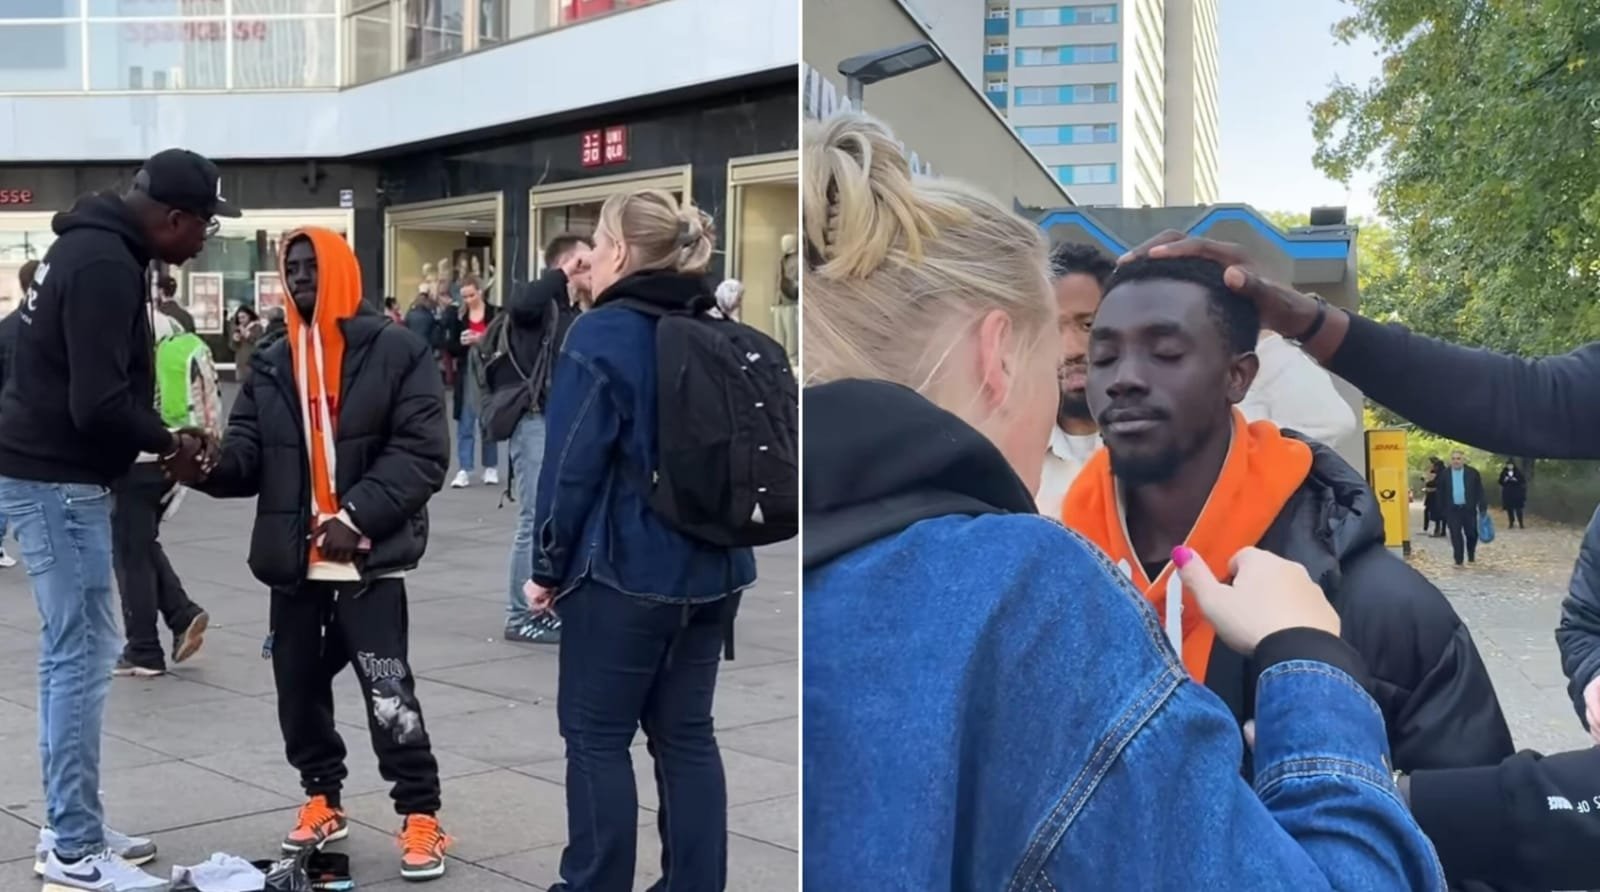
(1182, 555)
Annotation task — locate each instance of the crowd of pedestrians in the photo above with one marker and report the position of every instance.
(1333, 720)
(110, 411)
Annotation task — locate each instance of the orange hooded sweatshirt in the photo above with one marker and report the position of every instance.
(316, 349)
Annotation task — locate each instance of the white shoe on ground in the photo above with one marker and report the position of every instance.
(100, 872)
(491, 476)
(135, 850)
(462, 481)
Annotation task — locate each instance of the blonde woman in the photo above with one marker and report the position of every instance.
(642, 606)
(988, 704)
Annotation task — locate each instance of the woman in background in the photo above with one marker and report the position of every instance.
(1513, 494)
(247, 331)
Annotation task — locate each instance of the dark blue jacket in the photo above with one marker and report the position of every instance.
(593, 518)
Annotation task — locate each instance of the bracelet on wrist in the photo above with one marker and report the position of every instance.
(1316, 323)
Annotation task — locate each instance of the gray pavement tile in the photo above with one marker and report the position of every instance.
(199, 729)
(777, 740)
(20, 785)
(752, 865)
(531, 679)
(750, 778)
(774, 821)
(488, 815)
(17, 839)
(267, 767)
(502, 736)
(151, 798)
(460, 878)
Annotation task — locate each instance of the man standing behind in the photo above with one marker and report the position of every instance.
(8, 340)
(75, 412)
(168, 304)
(1080, 273)
(541, 313)
(1463, 489)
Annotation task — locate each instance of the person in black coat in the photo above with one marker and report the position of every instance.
(338, 527)
(1432, 513)
(464, 326)
(1531, 818)
(1462, 497)
(1513, 494)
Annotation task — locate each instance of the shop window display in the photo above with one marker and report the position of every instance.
(16, 248)
(766, 258)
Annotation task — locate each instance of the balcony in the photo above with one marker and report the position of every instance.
(995, 63)
(997, 97)
(995, 27)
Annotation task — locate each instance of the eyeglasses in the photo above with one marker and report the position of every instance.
(212, 224)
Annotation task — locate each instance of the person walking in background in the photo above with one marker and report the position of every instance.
(422, 318)
(8, 341)
(167, 303)
(342, 448)
(643, 606)
(391, 308)
(541, 313)
(149, 586)
(923, 428)
(77, 409)
(1432, 511)
(247, 331)
(1464, 499)
(465, 326)
(1513, 494)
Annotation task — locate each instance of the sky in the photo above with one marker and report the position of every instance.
(1277, 57)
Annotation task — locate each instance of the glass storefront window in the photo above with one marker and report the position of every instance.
(158, 55)
(285, 53)
(18, 246)
(105, 9)
(434, 30)
(370, 31)
(35, 58)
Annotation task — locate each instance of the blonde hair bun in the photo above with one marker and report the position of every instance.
(862, 203)
(660, 232)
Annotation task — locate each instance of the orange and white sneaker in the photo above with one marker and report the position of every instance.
(317, 824)
(422, 846)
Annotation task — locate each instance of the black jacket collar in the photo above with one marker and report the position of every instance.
(667, 291)
(879, 458)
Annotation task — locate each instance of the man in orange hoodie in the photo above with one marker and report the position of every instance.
(1170, 357)
(340, 434)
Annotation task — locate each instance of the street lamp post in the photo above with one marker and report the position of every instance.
(879, 65)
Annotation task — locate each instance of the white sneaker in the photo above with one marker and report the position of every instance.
(100, 872)
(135, 850)
(6, 560)
(462, 481)
(491, 476)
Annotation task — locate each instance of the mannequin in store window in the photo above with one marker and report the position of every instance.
(785, 322)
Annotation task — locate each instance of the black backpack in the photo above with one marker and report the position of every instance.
(505, 399)
(727, 417)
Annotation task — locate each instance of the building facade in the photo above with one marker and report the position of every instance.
(442, 137)
(1119, 99)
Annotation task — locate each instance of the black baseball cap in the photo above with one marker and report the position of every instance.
(185, 180)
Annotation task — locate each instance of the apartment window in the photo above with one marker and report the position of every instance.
(1086, 174)
(1096, 14)
(1069, 135)
(1067, 94)
(370, 32)
(1076, 54)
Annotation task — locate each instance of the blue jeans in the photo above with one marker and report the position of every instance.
(467, 436)
(629, 663)
(527, 457)
(65, 532)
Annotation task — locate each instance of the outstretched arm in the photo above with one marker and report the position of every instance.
(238, 471)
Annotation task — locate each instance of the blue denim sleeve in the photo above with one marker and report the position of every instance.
(1324, 814)
(581, 429)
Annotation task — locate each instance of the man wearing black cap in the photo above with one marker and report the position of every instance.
(76, 410)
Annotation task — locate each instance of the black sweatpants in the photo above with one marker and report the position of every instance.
(149, 587)
(1463, 523)
(316, 631)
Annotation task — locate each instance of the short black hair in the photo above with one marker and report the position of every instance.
(1068, 259)
(561, 244)
(1236, 318)
(167, 285)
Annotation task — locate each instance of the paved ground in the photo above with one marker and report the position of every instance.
(195, 759)
(1511, 600)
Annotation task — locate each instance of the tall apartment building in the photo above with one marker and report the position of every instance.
(1119, 99)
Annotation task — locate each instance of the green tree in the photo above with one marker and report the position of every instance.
(1484, 126)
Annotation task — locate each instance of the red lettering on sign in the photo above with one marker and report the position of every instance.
(148, 33)
(592, 153)
(16, 196)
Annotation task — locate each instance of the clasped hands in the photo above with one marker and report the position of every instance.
(193, 455)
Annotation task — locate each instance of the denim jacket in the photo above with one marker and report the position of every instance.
(990, 706)
(593, 519)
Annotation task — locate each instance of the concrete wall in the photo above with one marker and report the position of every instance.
(936, 112)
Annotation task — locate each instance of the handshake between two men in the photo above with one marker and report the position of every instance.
(193, 455)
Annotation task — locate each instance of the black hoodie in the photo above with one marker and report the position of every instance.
(79, 402)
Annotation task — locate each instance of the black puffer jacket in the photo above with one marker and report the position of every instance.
(1429, 680)
(1437, 699)
(392, 450)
